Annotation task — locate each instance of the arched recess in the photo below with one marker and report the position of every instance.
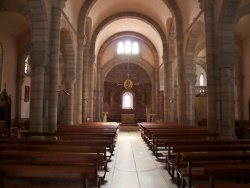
(131, 35)
(102, 51)
(227, 59)
(143, 18)
(198, 49)
(22, 111)
(21, 13)
(68, 77)
(1, 65)
(242, 81)
(173, 6)
(113, 86)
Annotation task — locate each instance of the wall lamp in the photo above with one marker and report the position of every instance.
(64, 92)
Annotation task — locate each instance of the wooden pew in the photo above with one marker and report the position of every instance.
(169, 143)
(42, 158)
(159, 138)
(209, 157)
(176, 163)
(61, 173)
(72, 136)
(180, 135)
(54, 148)
(100, 142)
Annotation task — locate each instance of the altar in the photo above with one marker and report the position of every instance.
(128, 118)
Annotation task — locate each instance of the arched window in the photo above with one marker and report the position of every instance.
(27, 66)
(135, 48)
(201, 80)
(120, 48)
(127, 48)
(127, 100)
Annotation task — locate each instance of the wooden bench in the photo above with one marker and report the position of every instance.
(180, 135)
(54, 148)
(176, 163)
(169, 143)
(100, 142)
(61, 173)
(229, 172)
(40, 158)
(159, 139)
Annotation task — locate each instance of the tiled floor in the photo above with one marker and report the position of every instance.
(134, 166)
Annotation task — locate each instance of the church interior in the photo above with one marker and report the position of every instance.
(123, 68)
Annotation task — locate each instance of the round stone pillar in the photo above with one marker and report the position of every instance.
(56, 12)
(212, 103)
(190, 81)
(38, 60)
(227, 64)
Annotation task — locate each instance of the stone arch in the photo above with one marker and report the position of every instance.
(129, 34)
(194, 34)
(16, 7)
(127, 15)
(139, 61)
(171, 4)
(242, 11)
(200, 47)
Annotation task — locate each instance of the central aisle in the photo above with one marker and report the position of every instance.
(134, 166)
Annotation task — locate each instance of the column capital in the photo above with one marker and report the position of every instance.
(39, 58)
(205, 4)
(227, 60)
(190, 79)
(69, 79)
(58, 3)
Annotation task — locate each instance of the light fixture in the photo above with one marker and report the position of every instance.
(65, 92)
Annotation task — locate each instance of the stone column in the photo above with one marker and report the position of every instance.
(165, 94)
(37, 64)
(86, 82)
(170, 91)
(19, 83)
(54, 63)
(91, 86)
(190, 99)
(181, 85)
(212, 116)
(79, 81)
(227, 96)
(98, 94)
(161, 107)
(155, 105)
(69, 107)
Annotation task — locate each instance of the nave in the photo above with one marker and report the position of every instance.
(134, 166)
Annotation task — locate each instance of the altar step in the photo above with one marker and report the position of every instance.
(128, 127)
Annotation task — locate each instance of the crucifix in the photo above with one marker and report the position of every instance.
(128, 84)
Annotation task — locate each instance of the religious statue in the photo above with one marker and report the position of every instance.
(105, 116)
